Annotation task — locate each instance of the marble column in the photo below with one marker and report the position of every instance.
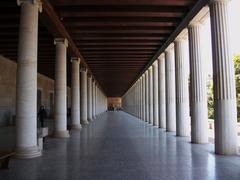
(198, 83)
(83, 98)
(93, 99)
(182, 95)
(143, 97)
(170, 89)
(146, 97)
(89, 99)
(225, 112)
(26, 97)
(155, 94)
(161, 91)
(60, 89)
(150, 93)
(75, 97)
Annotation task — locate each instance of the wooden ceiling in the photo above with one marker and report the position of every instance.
(116, 38)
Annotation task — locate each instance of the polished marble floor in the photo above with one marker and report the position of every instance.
(118, 146)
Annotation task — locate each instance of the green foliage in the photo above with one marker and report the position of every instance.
(210, 90)
(237, 78)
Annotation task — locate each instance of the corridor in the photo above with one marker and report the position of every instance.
(119, 146)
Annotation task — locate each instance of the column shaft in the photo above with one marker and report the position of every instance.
(155, 95)
(143, 98)
(199, 116)
(146, 97)
(182, 102)
(170, 91)
(75, 97)
(89, 99)
(60, 90)
(84, 97)
(26, 102)
(93, 100)
(150, 92)
(161, 91)
(225, 112)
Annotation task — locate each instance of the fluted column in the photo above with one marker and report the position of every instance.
(150, 92)
(60, 89)
(83, 98)
(182, 102)
(89, 98)
(143, 98)
(161, 91)
(170, 89)
(198, 99)
(146, 97)
(155, 94)
(93, 100)
(75, 97)
(26, 102)
(225, 112)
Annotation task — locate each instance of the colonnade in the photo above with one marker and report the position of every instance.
(87, 99)
(178, 107)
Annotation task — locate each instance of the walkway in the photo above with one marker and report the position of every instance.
(118, 146)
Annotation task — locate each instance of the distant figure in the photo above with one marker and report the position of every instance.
(42, 115)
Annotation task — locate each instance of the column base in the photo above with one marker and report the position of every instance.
(90, 120)
(84, 123)
(28, 152)
(76, 126)
(61, 134)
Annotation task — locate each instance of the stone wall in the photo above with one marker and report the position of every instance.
(114, 102)
(8, 70)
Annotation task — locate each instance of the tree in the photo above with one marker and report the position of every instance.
(237, 78)
(210, 90)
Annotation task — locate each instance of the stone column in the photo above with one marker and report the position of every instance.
(170, 89)
(89, 100)
(155, 94)
(93, 100)
(146, 97)
(60, 89)
(75, 97)
(161, 91)
(198, 91)
(223, 80)
(26, 102)
(83, 93)
(182, 96)
(150, 92)
(143, 97)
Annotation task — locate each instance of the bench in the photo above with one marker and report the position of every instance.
(4, 158)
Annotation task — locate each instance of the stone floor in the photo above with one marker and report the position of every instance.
(118, 146)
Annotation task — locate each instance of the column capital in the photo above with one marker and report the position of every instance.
(155, 62)
(61, 40)
(83, 69)
(200, 17)
(75, 59)
(170, 48)
(38, 2)
(162, 56)
(182, 36)
(219, 1)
